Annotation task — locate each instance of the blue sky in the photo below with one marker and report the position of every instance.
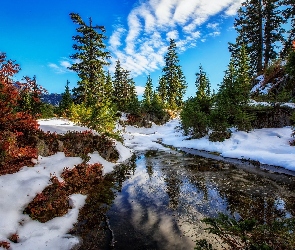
(37, 34)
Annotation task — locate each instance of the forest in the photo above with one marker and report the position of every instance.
(257, 91)
(264, 48)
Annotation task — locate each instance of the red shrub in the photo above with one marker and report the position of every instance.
(17, 128)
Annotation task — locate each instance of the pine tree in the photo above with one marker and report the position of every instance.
(203, 93)
(124, 92)
(132, 104)
(174, 78)
(66, 101)
(92, 96)
(233, 95)
(148, 94)
(195, 113)
(289, 16)
(156, 109)
(91, 57)
(273, 31)
(30, 96)
(162, 90)
(118, 84)
(258, 25)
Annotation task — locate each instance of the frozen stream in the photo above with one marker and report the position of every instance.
(157, 201)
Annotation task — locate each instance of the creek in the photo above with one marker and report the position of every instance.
(158, 199)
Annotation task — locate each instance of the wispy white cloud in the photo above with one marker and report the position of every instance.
(115, 39)
(214, 26)
(65, 64)
(215, 33)
(152, 23)
(62, 66)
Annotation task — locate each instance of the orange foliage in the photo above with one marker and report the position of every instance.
(17, 129)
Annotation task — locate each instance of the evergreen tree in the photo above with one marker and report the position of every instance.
(30, 96)
(157, 107)
(124, 92)
(91, 57)
(148, 94)
(93, 106)
(118, 84)
(258, 25)
(289, 16)
(162, 90)
(66, 101)
(273, 31)
(233, 96)
(195, 113)
(203, 93)
(174, 78)
(132, 102)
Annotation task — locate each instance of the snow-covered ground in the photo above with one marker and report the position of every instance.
(270, 146)
(17, 190)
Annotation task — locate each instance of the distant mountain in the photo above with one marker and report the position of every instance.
(53, 98)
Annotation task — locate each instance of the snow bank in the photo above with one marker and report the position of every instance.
(268, 145)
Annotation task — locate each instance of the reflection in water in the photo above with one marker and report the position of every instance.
(160, 202)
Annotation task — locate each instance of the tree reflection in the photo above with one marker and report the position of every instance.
(173, 185)
(92, 225)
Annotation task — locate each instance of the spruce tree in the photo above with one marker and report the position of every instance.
(124, 92)
(195, 113)
(148, 94)
(30, 93)
(258, 26)
(66, 101)
(132, 103)
(203, 93)
(92, 96)
(273, 31)
(289, 17)
(91, 58)
(118, 84)
(174, 78)
(233, 96)
(162, 90)
(157, 108)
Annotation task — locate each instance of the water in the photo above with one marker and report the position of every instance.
(159, 200)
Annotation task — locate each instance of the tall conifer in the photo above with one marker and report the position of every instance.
(66, 100)
(148, 93)
(174, 78)
(162, 90)
(259, 27)
(90, 57)
(94, 108)
(124, 92)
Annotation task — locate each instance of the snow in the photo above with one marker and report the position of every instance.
(269, 146)
(19, 189)
(255, 103)
(261, 87)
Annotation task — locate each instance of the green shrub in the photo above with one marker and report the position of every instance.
(194, 121)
